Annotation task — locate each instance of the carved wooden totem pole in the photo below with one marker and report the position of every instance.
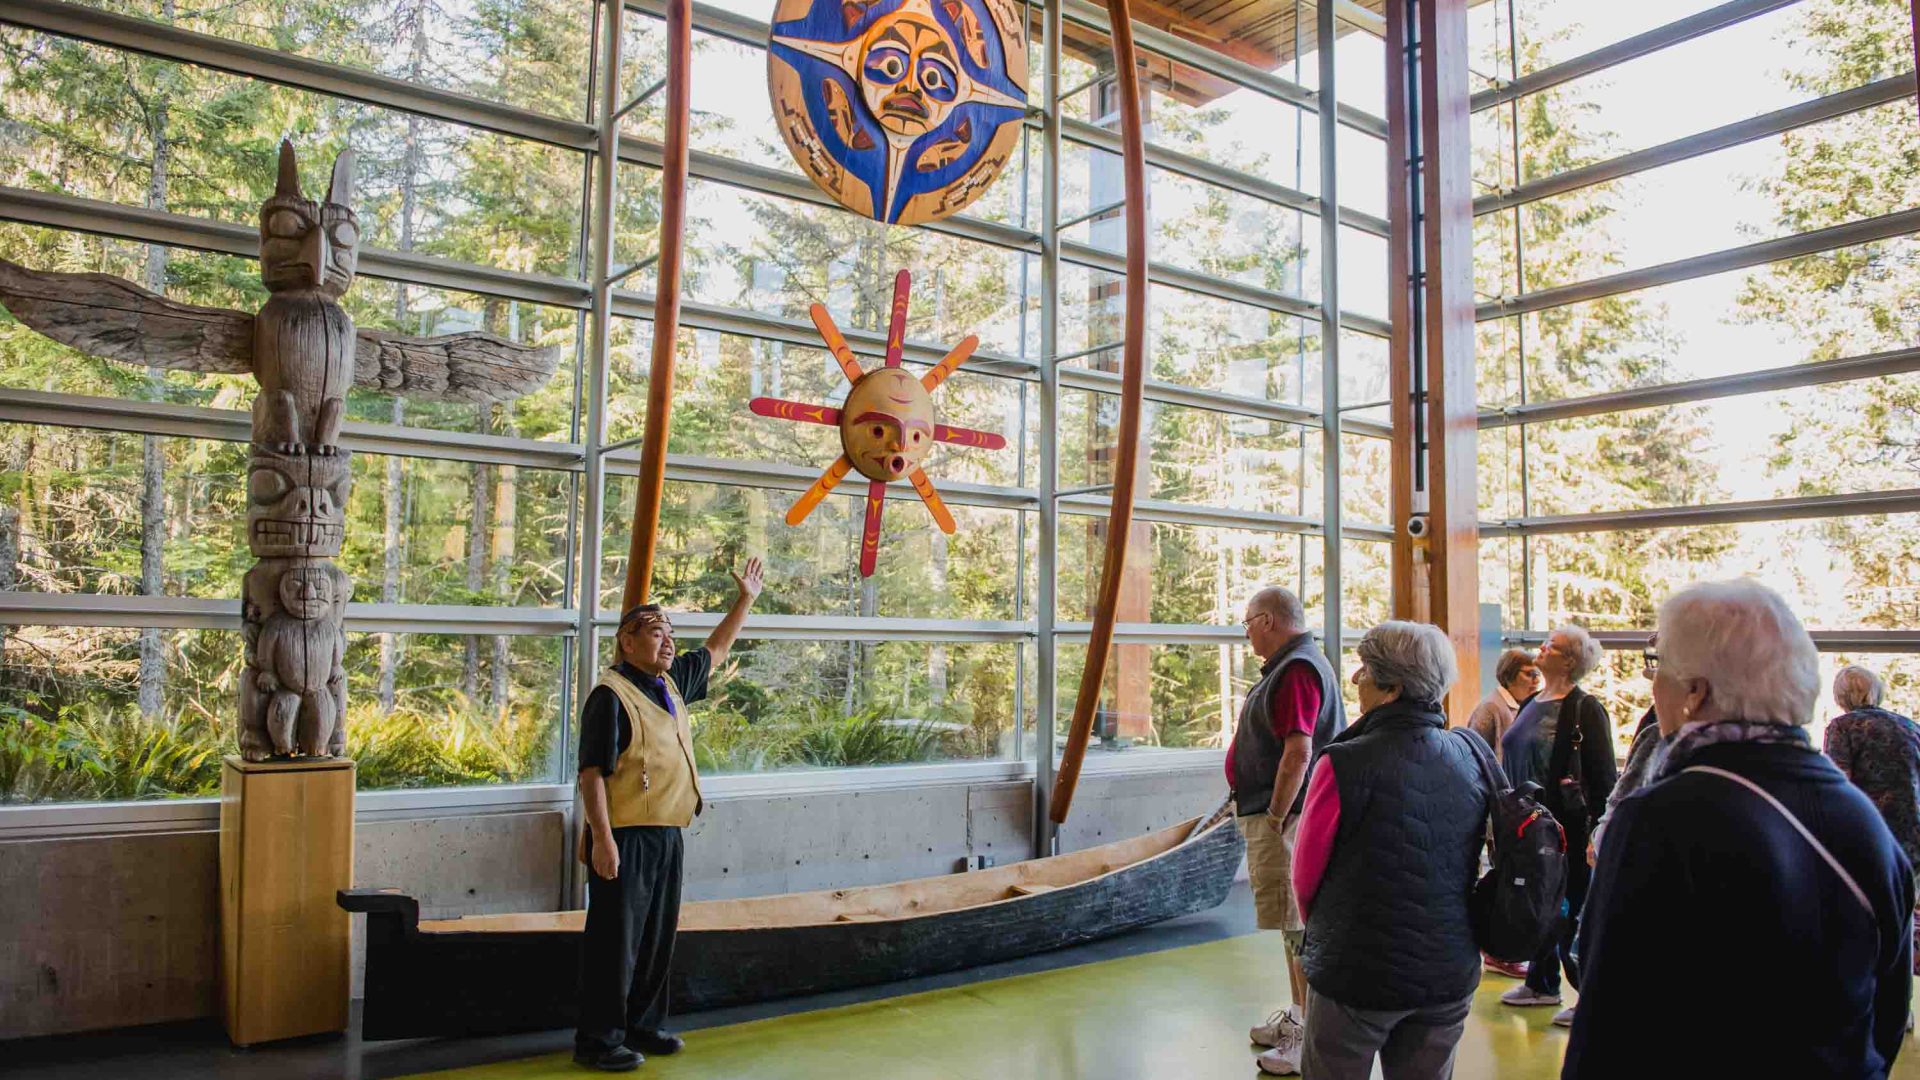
(304, 352)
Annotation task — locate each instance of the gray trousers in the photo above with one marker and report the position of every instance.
(1412, 1044)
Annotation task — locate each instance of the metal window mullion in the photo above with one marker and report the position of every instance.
(1218, 288)
(1107, 382)
(75, 214)
(1817, 373)
(1865, 231)
(202, 613)
(1660, 37)
(780, 476)
(1329, 334)
(1863, 639)
(1047, 543)
(1882, 92)
(1520, 325)
(178, 44)
(600, 346)
(236, 425)
(781, 183)
(754, 324)
(1202, 58)
(1221, 176)
(1786, 508)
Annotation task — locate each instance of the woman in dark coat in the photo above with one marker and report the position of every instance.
(1750, 873)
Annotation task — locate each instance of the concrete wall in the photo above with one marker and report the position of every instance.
(118, 930)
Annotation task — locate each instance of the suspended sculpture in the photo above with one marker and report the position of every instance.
(886, 427)
(304, 352)
(903, 111)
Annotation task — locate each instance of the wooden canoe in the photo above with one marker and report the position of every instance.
(493, 974)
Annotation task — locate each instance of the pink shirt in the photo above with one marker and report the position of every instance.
(1295, 705)
(1319, 824)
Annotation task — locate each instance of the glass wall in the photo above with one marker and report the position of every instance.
(1755, 459)
(470, 531)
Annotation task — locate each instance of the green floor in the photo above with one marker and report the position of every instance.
(1180, 1013)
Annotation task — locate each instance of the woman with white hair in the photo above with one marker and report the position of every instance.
(1748, 874)
(1879, 750)
(1562, 740)
(1388, 848)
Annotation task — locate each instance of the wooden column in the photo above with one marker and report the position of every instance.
(286, 849)
(1435, 425)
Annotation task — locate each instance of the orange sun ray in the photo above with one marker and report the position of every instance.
(950, 363)
(836, 342)
(935, 505)
(835, 473)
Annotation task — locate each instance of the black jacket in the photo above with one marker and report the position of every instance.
(1388, 928)
(1713, 921)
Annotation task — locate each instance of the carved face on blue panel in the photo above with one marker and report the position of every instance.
(902, 110)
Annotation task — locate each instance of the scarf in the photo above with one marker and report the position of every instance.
(1673, 753)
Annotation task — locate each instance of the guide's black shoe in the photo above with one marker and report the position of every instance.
(655, 1042)
(618, 1059)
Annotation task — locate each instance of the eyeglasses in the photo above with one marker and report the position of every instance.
(1248, 621)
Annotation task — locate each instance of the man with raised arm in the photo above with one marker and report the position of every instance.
(640, 789)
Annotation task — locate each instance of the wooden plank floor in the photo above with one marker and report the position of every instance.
(1176, 1013)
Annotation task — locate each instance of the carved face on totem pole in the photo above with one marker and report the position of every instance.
(296, 504)
(306, 592)
(886, 427)
(306, 244)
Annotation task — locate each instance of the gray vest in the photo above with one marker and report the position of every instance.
(1256, 750)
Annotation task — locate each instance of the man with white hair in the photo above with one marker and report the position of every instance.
(1563, 741)
(1749, 864)
(1289, 715)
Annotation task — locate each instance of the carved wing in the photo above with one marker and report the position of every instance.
(112, 318)
(473, 366)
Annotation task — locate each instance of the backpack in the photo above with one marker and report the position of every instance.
(1515, 905)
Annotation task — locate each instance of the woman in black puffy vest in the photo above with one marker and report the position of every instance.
(1388, 849)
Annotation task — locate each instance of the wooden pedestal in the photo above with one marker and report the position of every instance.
(286, 847)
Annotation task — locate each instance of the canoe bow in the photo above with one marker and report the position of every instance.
(1132, 387)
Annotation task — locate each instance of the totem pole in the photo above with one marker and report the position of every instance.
(304, 352)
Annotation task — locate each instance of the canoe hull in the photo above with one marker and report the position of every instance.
(492, 982)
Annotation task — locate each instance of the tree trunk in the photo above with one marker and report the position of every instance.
(477, 561)
(153, 462)
(390, 488)
(390, 563)
(936, 652)
(506, 520)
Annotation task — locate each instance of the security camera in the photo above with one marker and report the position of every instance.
(1417, 526)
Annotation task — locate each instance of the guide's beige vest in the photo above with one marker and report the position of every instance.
(654, 782)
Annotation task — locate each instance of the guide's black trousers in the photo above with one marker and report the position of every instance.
(627, 950)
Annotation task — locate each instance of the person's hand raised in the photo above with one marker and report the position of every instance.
(750, 580)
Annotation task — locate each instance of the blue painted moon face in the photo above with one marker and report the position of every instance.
(903, 110)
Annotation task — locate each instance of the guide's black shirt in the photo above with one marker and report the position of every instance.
(605, 730)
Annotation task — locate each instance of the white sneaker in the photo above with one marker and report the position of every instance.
(1282, 1028)
(1524, 995)
(1281, 1060)
(1564, 1018)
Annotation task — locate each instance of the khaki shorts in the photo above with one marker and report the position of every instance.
(1270, 870)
